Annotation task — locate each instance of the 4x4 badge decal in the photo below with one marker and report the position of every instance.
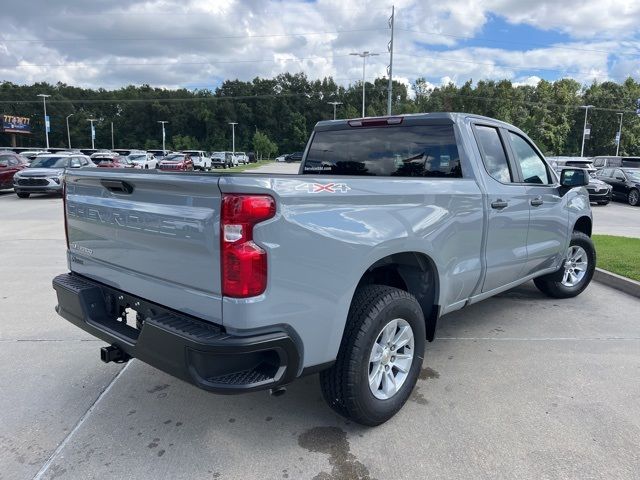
(326, 187)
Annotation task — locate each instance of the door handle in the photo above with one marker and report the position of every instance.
(117, 186)
(499, 204)
(536, 202)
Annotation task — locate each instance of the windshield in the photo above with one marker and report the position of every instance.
(50, 162)
(137, 158)
(174, 158)
(411, 151)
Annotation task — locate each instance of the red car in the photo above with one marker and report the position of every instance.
(176, 162)
(109, 160)
(10, 163)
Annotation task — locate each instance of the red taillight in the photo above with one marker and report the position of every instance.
(64, 209)
(244, 264)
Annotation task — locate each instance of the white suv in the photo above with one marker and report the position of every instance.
(201, 160)
(241, 157)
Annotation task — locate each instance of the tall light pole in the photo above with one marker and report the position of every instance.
(68, 132)
(112, 142)
(364, 56)
(46, 118)
(390, 67)
(584, 128)
(233, 137)
(93, 133)
(163, 135)
(619, 139)
(335, 104)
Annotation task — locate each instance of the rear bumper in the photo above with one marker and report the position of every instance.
(193, 350)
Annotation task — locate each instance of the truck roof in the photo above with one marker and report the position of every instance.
(410, 118)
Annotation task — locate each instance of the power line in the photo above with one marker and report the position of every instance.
(171, 39)
(156, 64)
(381, 88)
(531, 102)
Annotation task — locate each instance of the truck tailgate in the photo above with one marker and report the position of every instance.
(151, 234)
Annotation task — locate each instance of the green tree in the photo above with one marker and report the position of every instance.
(263, 146)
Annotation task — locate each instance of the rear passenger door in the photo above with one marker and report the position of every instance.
(547, 218)
(618, 183)
(508, 222)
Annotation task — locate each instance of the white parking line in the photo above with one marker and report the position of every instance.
(66, 440)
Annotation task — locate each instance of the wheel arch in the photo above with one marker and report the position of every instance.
(584, 225)
(413, 272)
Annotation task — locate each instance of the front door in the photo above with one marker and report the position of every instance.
(506, 246)
(548, 228)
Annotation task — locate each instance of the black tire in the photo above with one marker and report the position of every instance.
(345, 385)
(633, 197)
(552, 286)
(604, 203)
(23, 194)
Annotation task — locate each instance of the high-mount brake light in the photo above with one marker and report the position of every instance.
(243, 263)
(375, 122)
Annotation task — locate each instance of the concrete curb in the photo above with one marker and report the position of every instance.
(613, 280)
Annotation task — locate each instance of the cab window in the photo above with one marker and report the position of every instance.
(532, 166)
(493, 153)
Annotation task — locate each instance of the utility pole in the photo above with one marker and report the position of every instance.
(335, 104)
(233, 137)
(112, 143)
(584, 128)
(46, 118)
(163, 135)
(390, 67)
(619, 137)
(68, 132)
(364, 56)
(93, 133)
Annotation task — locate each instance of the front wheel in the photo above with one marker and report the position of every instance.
(379, 358)
(23, 194)
(576, 271)
(634, 197)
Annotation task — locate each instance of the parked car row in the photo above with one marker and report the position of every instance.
(612, 177)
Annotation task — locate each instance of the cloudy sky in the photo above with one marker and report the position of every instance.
(200, 43)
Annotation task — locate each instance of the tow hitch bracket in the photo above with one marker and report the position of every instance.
(113, 353)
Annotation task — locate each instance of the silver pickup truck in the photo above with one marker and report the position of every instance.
(244, 282)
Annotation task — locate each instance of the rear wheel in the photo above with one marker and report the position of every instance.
(23, 194)
(576, 271)
(380, 356)
(634, 197)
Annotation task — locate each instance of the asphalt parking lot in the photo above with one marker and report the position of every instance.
(518, 386)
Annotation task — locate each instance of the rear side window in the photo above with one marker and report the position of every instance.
(413, 151)
(599, 162)
(493, 154)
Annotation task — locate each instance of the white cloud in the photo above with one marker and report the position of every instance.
(198, 42)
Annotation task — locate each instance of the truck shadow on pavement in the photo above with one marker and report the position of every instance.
(155, 424)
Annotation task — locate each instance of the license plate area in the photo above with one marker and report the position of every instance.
(124, 315)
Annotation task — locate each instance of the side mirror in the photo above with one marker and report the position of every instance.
(574, 177)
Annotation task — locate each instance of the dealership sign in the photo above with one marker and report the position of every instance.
(14, 124)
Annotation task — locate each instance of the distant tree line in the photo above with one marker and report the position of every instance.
(284, 109)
